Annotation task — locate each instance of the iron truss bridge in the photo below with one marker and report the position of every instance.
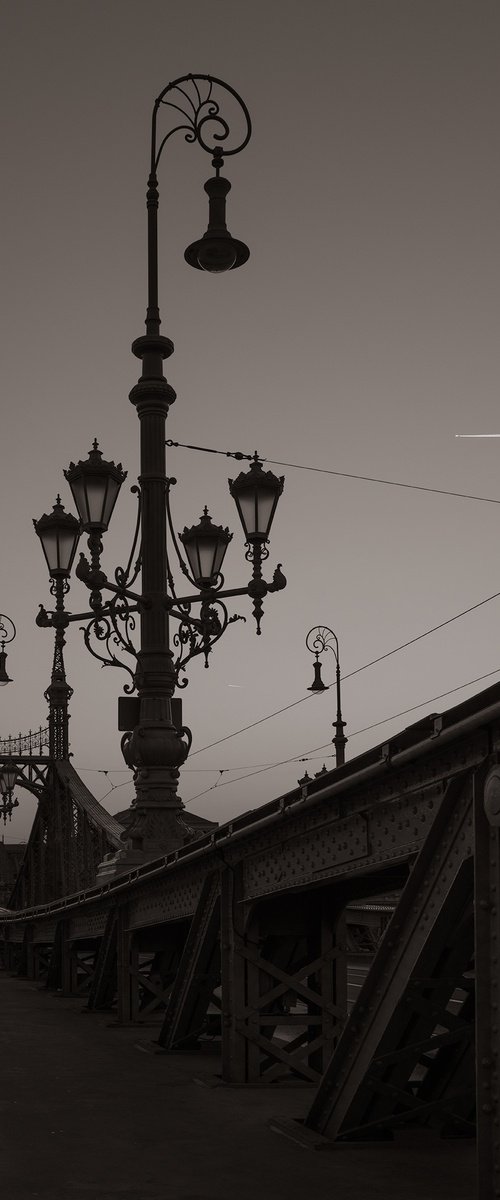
(71, 833)
(249, 936)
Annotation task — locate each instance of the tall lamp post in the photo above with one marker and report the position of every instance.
(155, 743)
(318, 641)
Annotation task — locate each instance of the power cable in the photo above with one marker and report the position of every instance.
(419, 636)
(275, 462)
(304, 757)
(251, 726)
(357, 671)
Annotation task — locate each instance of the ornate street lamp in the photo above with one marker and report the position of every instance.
(205, 545)
(318, 641)
(7, 634)
(8, 776)
(256, 493)
(59, 533)
(154, 744)
(95, 485)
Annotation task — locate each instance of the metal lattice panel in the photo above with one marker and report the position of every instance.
(88, 924)
(199, 971)
(406, 1003)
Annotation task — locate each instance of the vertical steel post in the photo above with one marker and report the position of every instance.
(123, 946)
(233, 976)
(155, 748)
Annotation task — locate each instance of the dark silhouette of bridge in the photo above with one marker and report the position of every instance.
(343, 936)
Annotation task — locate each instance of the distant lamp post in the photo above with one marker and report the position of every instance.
(155, 743)
(59, 532)
(8, 776)
(7, 634)
(318, 641)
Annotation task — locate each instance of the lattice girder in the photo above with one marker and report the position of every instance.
(371, 1082)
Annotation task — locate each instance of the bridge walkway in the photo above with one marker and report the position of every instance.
(97, 1114)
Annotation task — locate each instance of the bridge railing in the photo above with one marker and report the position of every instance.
(36, 741)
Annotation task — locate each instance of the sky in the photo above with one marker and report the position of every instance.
(361, 337)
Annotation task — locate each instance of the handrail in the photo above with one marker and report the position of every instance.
(15, 745)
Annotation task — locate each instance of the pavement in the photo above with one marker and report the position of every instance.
(92, 1112)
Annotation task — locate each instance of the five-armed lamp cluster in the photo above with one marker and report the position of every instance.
(155, 743)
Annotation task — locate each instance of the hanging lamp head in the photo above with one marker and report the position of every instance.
(317, 683)
(4, 678)
(217, 251)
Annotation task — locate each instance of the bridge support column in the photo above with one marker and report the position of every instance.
(124, 939)
(31, 960)
(69, 966)
(284, 985)
(234, 1045)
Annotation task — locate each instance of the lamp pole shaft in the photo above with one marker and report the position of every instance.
(339, 740)
(155, 748)
(153, 312)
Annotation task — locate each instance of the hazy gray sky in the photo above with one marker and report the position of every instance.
(360, 337)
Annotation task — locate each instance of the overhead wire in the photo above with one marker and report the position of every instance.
(275, 462)
(259, 770)
(351, 674)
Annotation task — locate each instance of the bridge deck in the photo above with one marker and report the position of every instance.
(104, 1116)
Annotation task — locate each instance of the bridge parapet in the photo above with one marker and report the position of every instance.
(248, 924)
(35, 742)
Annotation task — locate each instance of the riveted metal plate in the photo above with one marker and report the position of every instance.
(167, 899)
(294, 859)
(87, 924)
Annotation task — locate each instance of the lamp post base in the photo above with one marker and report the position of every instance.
(117, 864)
(156, 826)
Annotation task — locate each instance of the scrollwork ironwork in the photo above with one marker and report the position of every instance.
(104, 627)
(6, 635)
(199, 109)
(319, 640)
(126, 577)
(199, 635)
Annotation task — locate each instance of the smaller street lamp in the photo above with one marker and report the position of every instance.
(95, 485)
(256, 494)
(59, 532)
(7, 634)
(205, 545)
(318, 640)
(8, 776)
